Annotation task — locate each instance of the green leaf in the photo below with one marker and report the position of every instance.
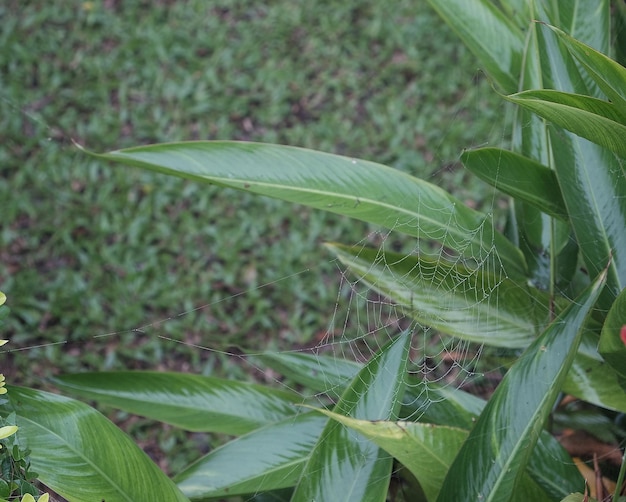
(493, 37)
(330, 375)
(192, 402)
(552, 468)
(608, 74)
(518, 176)
(613, 338)
(343, 462)
(593, 380)
(594, 188)
(427, 450)
(509, 427)
(356, 188)
(266, 459)
(591, 118)
(423, 400)
(472, 305)
(81, 455)
(440, 404)
(591, 177)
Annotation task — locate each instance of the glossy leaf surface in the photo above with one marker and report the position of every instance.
(591, 118)
(266, 459)
(472, 305)
(550, 466)
(356, 188)
(491, 461)
(427, 450)
(608, 74)
(518, 176)
(590, 176)
(343, 462)
(192, 402)
(81, 455)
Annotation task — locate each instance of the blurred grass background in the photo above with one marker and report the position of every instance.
(88, 249)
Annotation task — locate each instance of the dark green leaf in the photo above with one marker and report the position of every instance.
(440, 404)
(330, 375)
(192, 402)
(593, 380)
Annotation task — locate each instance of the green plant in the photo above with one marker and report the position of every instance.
(550, 289)
(15, 473)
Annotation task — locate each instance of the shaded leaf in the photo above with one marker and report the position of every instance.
(192, 402)
(593, 380)
(440, 404)
(81, 455)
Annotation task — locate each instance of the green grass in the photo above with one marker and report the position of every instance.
(88, 249)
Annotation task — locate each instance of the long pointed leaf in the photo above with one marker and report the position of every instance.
(342, 461)
(81, 455)
(356, 188)
(266, 459)
(330, 375)
(591, 178)
(518, 176)
(608, 74)
(510, 425)
(591, 118)
(594, 188)
(192, 402)
(473, 305)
